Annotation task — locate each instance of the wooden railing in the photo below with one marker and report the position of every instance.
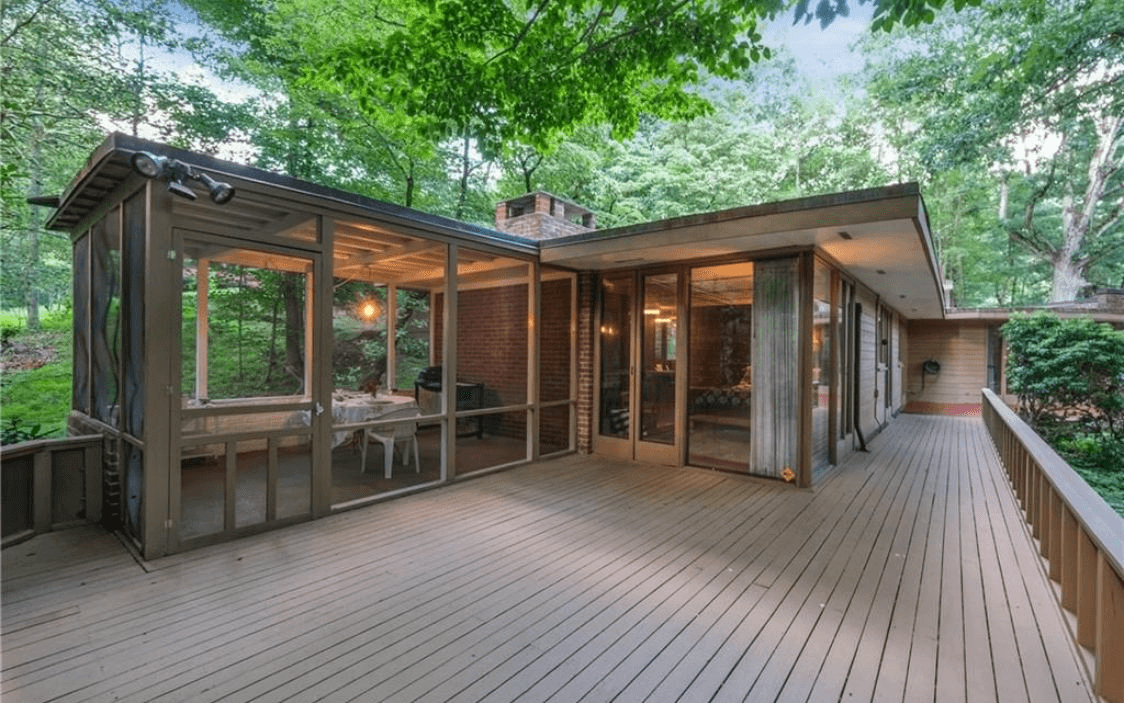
(1079, 535)
(48, 484)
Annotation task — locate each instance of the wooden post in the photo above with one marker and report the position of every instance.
(534, 315)
(93, 478)
(202, 326)
(449, 356)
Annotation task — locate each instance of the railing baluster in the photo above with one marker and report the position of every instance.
(1080, 536)
(1110, 631)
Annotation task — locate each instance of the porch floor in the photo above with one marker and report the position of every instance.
(906, 575)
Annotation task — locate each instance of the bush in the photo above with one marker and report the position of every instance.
(1069, 379)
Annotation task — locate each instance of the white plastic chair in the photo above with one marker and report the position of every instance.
(390, 435)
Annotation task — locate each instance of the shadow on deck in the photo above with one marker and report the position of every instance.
(906, 575)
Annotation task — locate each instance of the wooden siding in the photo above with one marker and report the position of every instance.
(907, 575)
(961, 349)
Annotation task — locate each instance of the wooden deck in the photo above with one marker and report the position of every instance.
(906, 575)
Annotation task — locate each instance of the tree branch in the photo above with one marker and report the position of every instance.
(30, 18)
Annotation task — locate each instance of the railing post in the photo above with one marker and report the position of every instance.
(1110, 632)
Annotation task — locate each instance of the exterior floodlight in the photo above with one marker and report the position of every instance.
(178, 188)
(150, 165)
(221, 193)
(176, 173)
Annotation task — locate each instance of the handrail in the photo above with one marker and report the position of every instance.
(1079, 535)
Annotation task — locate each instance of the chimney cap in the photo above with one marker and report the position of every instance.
(526, 202)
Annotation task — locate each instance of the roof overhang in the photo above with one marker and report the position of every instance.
(878, 236)
(108, 176)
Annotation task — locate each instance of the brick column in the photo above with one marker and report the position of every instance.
(585, 409)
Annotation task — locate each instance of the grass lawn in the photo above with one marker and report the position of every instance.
(35, 381)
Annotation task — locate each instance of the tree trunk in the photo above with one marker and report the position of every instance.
(1077, 214)
(294, 324)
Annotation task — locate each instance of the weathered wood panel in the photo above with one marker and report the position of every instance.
(960, 347)
(906, 575)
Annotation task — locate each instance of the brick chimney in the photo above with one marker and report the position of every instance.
(542, 216)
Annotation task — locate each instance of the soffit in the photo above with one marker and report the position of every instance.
(889, 249)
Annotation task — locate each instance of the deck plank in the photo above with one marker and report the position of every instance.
(906, 574)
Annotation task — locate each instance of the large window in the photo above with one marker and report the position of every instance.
(720, 384)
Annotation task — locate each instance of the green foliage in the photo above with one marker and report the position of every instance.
(40, 397)
(1069, 379)
(14, 432)
(1034, 110)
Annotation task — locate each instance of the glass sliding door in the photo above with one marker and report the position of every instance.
(617, 301)
(720, 385)
(657, 358)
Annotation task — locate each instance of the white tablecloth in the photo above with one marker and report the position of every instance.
(349, 407)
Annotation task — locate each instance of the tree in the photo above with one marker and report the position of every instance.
(1037, 103)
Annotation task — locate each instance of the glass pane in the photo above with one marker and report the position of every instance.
(294, 477)
(491, 440)
(555, 336)
(105, 312)
(616, 340)
(554, 429)
(492, 328)
(821, 364)
(244, 322)
(387, 285)
(359, 358)
(250, 478)
(132, 309)
(202, 490)
(80, 399)
(720, 387)
(657, 399)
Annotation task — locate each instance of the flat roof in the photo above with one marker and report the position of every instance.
(879, 235)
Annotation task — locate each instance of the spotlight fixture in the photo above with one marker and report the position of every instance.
(176, 172)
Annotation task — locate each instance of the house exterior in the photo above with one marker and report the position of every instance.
(281, 351)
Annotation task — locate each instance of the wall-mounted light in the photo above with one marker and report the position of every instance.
(176, 173)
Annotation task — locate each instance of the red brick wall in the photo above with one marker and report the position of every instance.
(492, 349)
(554, 355)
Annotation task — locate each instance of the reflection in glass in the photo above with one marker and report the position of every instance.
(616, 339)
(720, 386)
(657, 400)
(821, 365)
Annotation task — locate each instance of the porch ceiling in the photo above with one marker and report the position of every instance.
(888, 249)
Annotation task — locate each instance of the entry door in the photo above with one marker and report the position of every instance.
(247, 425)
(639, 367)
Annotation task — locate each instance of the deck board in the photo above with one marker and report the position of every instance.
(906, 574)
